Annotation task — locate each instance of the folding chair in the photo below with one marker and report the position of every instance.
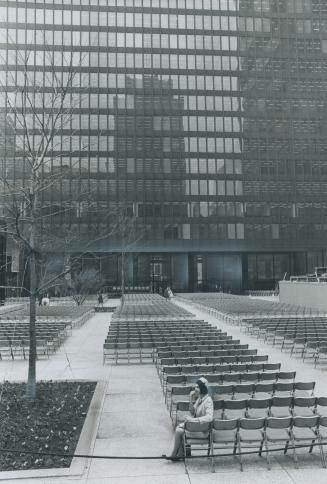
(269, 376)
(224, 392)
(301, 389)
(182, 410)
(277, 430)
(271, 366)
(173, 380)
(243, 390)
(323, 437)
(286, 375)
(281, 406)
(304, 406)
(218, 408)
(321, 406)
(283, 389)
(263, 390)
(251, 433)
(178, 394)
(234, 409)
(197, 436)
(321, 355)
(305, 430)
(224, 432)
(258, 408)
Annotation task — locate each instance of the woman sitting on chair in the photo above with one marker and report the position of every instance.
(201, 409)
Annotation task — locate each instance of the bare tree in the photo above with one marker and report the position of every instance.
(35, 121)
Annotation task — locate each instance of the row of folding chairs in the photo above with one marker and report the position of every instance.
(168, 339)
(246, 383)
(260, 434)
(247, 367)
(262, 393)
(20, 349)
(247, 372)
(276, 406)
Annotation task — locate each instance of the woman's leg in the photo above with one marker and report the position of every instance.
(178, 443)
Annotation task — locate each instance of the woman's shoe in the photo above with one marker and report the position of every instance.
(172, 458)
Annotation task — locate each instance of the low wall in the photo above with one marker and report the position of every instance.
(307, 294)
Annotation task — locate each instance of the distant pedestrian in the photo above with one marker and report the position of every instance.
(100, 299)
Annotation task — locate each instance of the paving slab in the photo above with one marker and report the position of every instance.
(135, 421)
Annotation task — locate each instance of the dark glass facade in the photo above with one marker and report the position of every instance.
(206, 119)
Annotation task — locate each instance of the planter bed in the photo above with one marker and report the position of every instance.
(52, 423)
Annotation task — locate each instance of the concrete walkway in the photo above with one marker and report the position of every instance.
(135, 422)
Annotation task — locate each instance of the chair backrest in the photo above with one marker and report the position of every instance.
(271, 376)
(284, 387)
(305, 421)
(197, 426)
(322, 401)
(259, 403)
(278, 422)
(235, 404)
(252, 423)
(300, 385)
(182, 406)
(271, 366)
(244, 388)
(286, 375)
(226, 424)
(281, 401)
(304, 401)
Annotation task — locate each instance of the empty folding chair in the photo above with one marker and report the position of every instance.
(263, 390)
(323, 437)
(222, 368)
(283, 389)
(281, 406)
(321, 355)
(310, 349)
(250, 377)
(304, 406)
(176, 380)
(224, 392)
(269, 376)
(255, 367)
(179, 394)
(218, 408)
(234, 409)
(197, 436)
(304, 430)
(277, 431)
(298, 346)
(224, 435)
(321, 406)
(182, 410)
(243, 391)
(251, 435)
(258, 408)
(214, 378)
(259, 358)
(286, 375)
(271, 366)
(303, 389)
(232, 378)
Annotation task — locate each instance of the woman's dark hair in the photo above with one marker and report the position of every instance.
(202, 386)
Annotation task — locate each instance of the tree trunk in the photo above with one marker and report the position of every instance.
(122, 278)
(31, 381)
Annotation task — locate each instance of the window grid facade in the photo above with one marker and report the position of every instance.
(206, 117)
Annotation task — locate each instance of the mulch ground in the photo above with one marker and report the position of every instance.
(52, 423)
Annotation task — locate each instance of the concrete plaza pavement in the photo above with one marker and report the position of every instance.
(134, 420)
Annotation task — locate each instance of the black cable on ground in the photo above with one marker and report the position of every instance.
(119, 457)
